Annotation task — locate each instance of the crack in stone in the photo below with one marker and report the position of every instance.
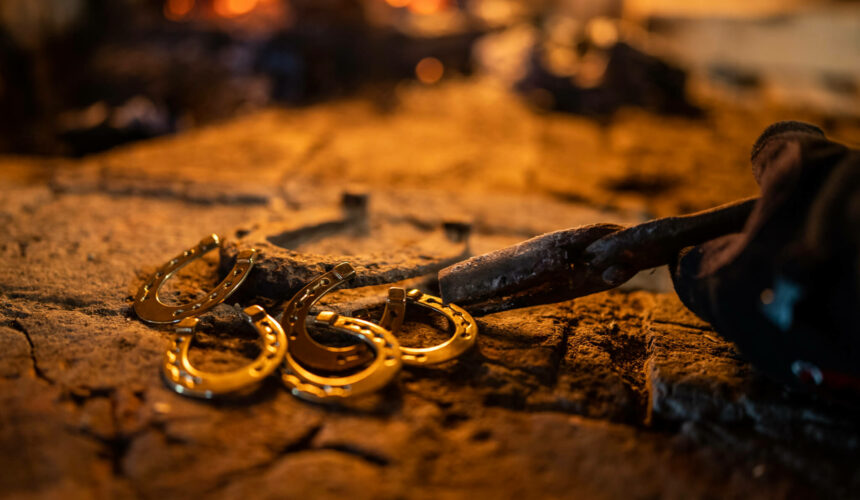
(366, 456)
(628, 356)
(304, 443)
(682, 324)
(566, 324)
(120, 443)
(36, 369)
(116, 448)
(628, 353)
(70, 304)
(109, 185)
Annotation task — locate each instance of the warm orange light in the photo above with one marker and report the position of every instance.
(429, 70)
(177, 9)
(427, 6)
(398, 3)
(233, 8)
(602, 32)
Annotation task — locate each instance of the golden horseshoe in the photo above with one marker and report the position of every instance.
(302, 346)
(183, 378)
(149, 308)
(307, 385)
(465, 328)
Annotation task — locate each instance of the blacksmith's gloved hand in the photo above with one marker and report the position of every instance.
(787, 289)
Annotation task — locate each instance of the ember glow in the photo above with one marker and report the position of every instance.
(429, 70)
(177, 9)
(233, 8)
(423, 7)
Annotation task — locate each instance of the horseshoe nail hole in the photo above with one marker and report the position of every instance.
(228, 284)
(178, 312)
(158, 274)
(324, 281)
(213, 295)
(196, 306)
(237, 272)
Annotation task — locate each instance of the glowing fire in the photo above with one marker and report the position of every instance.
(420, 6)
(177, 9)
(233, 8)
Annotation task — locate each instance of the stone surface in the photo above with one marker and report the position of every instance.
(622, 394)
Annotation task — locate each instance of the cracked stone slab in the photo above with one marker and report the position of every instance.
(695, 375)
(41, 454)
(82, 352)
(94, 263)
(616, 395)
(193, 440)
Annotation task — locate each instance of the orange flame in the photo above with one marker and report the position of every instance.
(177, 9)
(422, 7)
(233, 8)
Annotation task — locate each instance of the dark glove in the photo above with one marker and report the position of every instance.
(787, 289)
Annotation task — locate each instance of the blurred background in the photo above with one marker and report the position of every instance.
(83, 76)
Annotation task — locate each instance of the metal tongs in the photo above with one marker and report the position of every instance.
(570, 263)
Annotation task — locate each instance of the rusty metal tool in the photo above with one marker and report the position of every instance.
(571, 263)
